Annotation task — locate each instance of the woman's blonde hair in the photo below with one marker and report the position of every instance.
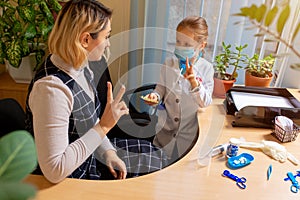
(197, 25)
(75, 18)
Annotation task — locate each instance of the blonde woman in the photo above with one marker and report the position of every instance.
(63, 106)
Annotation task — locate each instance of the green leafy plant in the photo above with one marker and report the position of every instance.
(265, 18)
(260, 67)
(24, 28)
(17, 159)
(229, 59)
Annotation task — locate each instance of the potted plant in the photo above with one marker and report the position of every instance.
(258, 72)
(24, 29)
(271, 22)
(228, 60)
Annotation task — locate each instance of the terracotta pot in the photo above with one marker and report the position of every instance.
(256, 81)
(221, 87)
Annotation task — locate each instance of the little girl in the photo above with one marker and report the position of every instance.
(186, 84)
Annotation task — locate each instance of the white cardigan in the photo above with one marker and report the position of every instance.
(178, 123)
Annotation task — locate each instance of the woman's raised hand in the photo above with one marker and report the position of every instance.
(114, 109)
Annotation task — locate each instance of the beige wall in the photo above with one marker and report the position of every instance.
(120, 22)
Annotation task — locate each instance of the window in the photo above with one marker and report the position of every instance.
(216, 14)
(223, 26)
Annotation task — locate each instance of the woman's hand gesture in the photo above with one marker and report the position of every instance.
(114, 109)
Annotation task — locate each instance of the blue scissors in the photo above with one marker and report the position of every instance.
(240, 182)
(295, 185)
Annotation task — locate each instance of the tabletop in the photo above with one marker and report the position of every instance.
(195, 176)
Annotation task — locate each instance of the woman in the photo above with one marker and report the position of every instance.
(63, 107)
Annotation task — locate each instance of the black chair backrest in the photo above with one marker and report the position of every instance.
(101, 77)
(141, 113)
(12, 116)
(140, 120)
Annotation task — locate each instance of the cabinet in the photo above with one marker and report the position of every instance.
(10, 89)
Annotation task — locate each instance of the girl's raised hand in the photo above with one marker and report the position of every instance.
(189, 75)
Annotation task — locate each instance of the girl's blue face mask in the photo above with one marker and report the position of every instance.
(182, 53)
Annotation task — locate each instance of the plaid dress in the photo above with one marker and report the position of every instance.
(140, 157)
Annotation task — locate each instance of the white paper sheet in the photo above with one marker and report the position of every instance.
(243, 99)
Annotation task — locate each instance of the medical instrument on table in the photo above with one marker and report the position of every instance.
(232, 149)
(269, 172)
(239, 161)
(240, 182)
(270, 148)
(295, 185)
(298, 174)
(218, 149)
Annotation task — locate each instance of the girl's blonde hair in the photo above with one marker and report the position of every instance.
(197, 25)
(75, 18)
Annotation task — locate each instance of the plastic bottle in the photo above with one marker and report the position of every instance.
(218, 149)
(232, 149)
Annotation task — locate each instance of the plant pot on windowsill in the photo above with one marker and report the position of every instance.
(221, 87)
(228, 60)
(251, 80)
(258, 71)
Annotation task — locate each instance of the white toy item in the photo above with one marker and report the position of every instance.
(270, 148)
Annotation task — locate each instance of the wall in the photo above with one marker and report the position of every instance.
(120, 23)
